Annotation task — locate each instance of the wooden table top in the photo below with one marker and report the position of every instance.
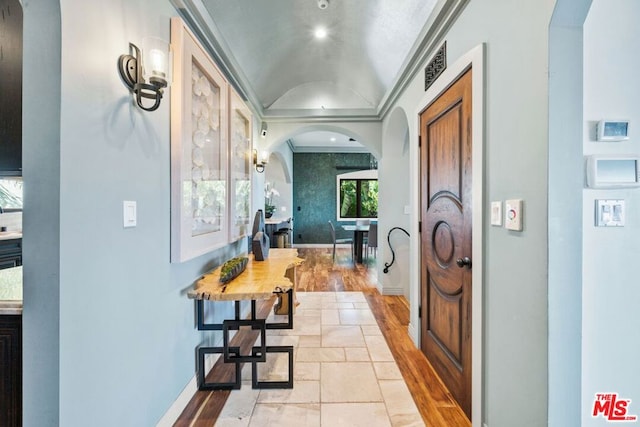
(258, 281)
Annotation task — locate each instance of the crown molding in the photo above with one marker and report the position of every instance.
(199, 21)
(434, 31)
(321, 115)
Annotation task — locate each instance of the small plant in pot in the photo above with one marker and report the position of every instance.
(269, 193)
(269, 210)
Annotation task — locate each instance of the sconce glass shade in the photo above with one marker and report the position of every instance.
(158, 64)
(261, 161)
(264, 157)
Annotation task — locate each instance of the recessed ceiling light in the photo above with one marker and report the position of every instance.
(333, 139)
(320, 33)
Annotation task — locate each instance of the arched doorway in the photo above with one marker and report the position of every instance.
(314, 169)
(394, 212)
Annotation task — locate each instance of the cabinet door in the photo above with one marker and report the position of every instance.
(10, 88)
(11, 370)
(10, 262)
(10, 253)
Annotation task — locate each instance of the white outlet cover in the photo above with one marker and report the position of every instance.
(513, 213)
(610, 213)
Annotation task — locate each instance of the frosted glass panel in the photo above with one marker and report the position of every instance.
(240, 168)
(208, 173)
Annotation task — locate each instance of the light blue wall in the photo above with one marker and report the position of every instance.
(611, 294)
(565, 205)
(515, 154)
(126, 328)
(41, 218)
(515, 283)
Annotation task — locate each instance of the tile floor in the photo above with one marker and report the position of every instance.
(344, 372)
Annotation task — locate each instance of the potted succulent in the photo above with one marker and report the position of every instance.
(232, 268)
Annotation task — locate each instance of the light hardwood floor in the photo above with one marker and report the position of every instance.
(319, 274)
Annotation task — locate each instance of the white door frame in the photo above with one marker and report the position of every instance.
(472, 59)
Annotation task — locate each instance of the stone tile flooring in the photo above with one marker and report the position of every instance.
(344, 372)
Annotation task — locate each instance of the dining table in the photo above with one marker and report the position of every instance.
(359, 232)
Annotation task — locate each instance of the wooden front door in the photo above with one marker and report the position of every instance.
(445, 281)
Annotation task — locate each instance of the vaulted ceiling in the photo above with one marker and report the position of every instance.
(270, 51)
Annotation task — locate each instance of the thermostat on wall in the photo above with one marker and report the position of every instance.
(613, 130)
(613, 171)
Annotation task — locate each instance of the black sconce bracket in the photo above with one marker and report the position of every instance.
(130, 68)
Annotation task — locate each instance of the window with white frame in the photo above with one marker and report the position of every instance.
(357, 195)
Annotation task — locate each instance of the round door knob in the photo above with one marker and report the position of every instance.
(464, 262)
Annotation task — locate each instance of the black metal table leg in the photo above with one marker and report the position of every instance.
(231, 354)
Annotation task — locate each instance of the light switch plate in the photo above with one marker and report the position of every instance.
(496, 213)
(129, 213)
(610, 213)
(407, 209)
(513, 214)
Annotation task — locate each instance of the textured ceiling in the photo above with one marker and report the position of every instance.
(287, 68)
(286, 72)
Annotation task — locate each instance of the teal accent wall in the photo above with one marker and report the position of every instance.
(314, 193)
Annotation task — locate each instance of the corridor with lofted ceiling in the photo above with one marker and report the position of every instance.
(107, 324)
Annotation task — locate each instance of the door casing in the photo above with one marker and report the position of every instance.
(473, 58)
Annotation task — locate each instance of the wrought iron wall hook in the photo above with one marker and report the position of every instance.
(388, 265)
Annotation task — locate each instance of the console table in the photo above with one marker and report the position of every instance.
(259, 281)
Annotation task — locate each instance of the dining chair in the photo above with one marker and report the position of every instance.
(365, 236)
(339, 241)
(372, 240)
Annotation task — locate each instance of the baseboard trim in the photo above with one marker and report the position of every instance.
(174, 411)
(413, 333)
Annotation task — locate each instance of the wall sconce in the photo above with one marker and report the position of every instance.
(154, 67)
(260, 162)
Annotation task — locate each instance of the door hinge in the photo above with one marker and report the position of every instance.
(419, 226)
(419, 141)
(419, 312)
